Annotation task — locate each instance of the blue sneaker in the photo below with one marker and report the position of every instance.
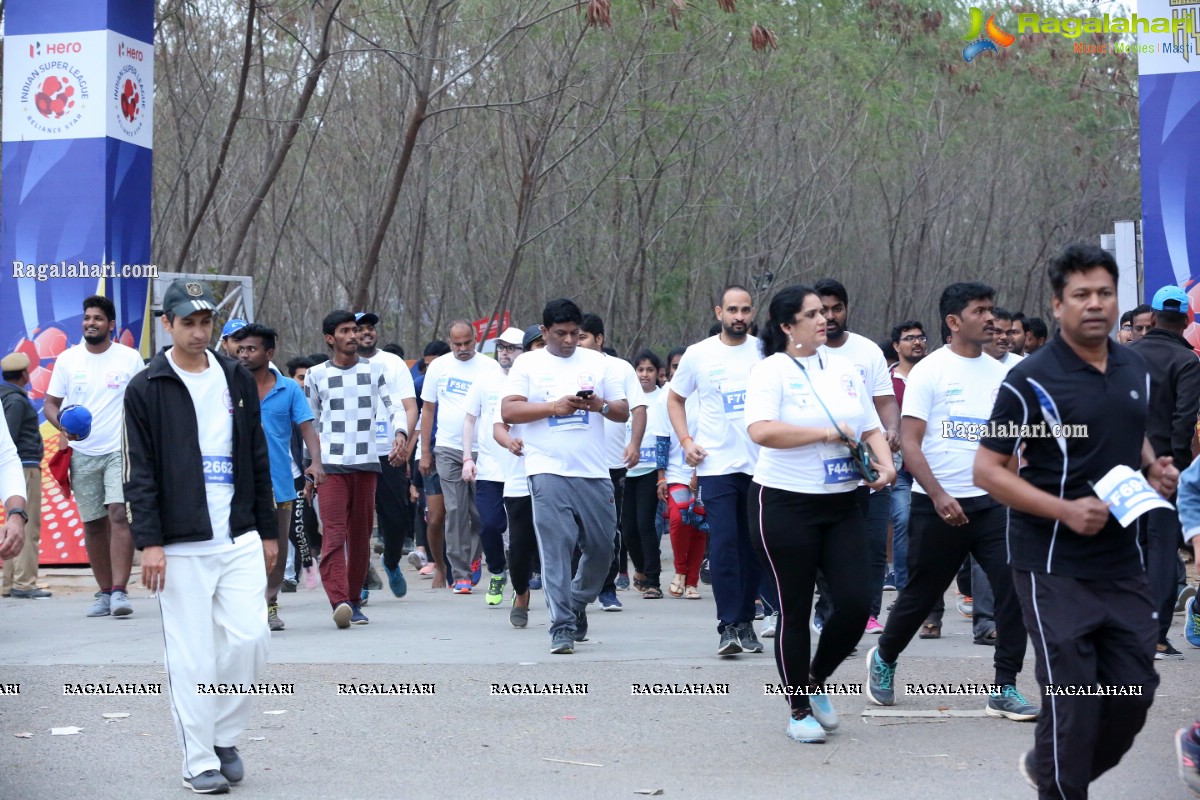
(396, 581)
(880, 679)
(476, 571)
(357, 617)
(609, 601)
(1191, 627)
(889, 581)
(622, 582)
(822, 710)
(363, 597)
(806, 730)
(535, 581)
(818, 623)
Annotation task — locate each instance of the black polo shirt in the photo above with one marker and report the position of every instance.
(1055, 385)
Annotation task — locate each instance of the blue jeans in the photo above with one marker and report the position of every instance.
(489, 499)
(733, 563)
(901, 503)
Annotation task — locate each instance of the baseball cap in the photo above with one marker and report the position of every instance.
(14, 362)
(513, 336)
(366, 318)
(1170, 298)
(532, 334)
(77, 420)
(232, 327)
(184, 297)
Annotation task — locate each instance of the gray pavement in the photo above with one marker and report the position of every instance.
(463, 740)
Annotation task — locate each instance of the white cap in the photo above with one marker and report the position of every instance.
(513, 336)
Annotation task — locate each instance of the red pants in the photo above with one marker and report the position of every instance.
(347, 504)
(687, 542)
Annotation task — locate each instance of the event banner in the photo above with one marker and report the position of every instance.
(1169, 99)
(75, 212)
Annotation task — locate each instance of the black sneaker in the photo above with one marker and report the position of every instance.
(1027, 766)
(1165, 650)
(581, 625)
(210, 781)
(231, 763)
(730, 644)
(749, 642)
(289, 586)
(563, 643)
(705, 575)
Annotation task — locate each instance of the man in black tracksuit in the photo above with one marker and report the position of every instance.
(199, 496)
(1077, 572)
(1170, 427)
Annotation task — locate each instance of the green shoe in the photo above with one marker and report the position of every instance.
(495, 590)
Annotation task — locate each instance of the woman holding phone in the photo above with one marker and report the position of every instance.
(810, 412)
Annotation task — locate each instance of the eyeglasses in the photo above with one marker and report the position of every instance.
(914, 338)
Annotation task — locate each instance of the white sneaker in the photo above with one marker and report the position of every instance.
(417, 559)
(769, 626)
(120, 604)
(102, 607)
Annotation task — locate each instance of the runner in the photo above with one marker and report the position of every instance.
(641, 493)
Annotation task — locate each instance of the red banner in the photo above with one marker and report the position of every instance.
(483, 331)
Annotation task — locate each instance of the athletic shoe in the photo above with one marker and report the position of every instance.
(427, 571)
(289, 586)
(417, 559)
(759, 611)
(873, 625)
(880, 679)
(966, 606)
(1010, 704)
(408, 546)
(357, 617)
(273, 620)
(396, 581)
(730, 644)
(889, 581)
(1164, 651)
(495, 591)
(535, 581)
(462, 586)
(822, 709)
(1026, 764)
(622, 581)
(1185, 594)
(518, 617)
(563, 643)
(705, 574)
(609, 601)
(818, 623)
(119, 604)
(1187, 756)
(581, 625)
(373, 581)
(210, 781)
(807, 730)
(750, 642)
(769, 626)
(231, 763)
(364, 597)
(342, 614)
(29, 594)
(476, 572)
(1191, 628)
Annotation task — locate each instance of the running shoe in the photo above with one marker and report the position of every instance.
(705, 574)
(417, 560)
(535, 581)
(462, 586)
(750, 642)
(730, 645)
(273, 621)
(806, 731)
(818, 623)
(231, 763)
(289, 586)
(822, 709)
(622, 581)
(120, 604)
(1010, 704)
(518, 617)
(563, 643)
(102, 606)
(364, 597)
(770, 625)
(342, 614)
(495, 591)
(427, 570)
(476, 572)
(873, 625)
(609, 601)
(210, 781)
(1187, 754)
(966, 605)
(396, 581)
(1191, 628)
(1164, 651)
(889, 581)
(880, 679)
(581, 625)
(1026, 764)
(1185, 594)
(759, 611)
(357, 617)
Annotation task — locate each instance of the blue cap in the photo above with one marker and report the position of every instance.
(1170, 298)
(76, 420)
(232, 327)
(366, 318)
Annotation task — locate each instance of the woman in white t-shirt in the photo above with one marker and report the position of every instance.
(640, 504)
(802, 406)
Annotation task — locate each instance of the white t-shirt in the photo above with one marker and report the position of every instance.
(717, 373)
(448, 381)
(96, 381)
(647, 459)
(868, 359)
(492, 459)
(947, 388)
(781, 391)
(400, 387)
(516, 482)
(1010, 360)
(574, 445)
(617, 433)
(214, 424)
(678, 470)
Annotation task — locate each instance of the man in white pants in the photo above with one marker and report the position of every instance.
(198, 487)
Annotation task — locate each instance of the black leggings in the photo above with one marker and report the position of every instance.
(522, 542)
(796, 535)
(637, 525)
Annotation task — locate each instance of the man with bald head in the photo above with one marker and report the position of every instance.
(448, 383)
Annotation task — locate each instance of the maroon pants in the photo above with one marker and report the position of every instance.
(346, 505)
(687, 543)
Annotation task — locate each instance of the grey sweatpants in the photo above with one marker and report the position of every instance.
(566, 512)
(462, 517)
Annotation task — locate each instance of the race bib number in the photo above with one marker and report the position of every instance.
(840, 470)
(218, 469)
(647, 456)
(381, 432)
(734, 402)
(571, 422)
(1128, 494)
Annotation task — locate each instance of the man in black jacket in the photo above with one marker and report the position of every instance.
(1170, 426)
(198, 490)
(20, 573)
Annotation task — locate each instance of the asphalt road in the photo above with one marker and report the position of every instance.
(463, 740)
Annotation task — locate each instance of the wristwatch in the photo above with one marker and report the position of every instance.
(604, 409)
(20, 511)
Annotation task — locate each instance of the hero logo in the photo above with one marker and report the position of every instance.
(130, 53)
(54, 48)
